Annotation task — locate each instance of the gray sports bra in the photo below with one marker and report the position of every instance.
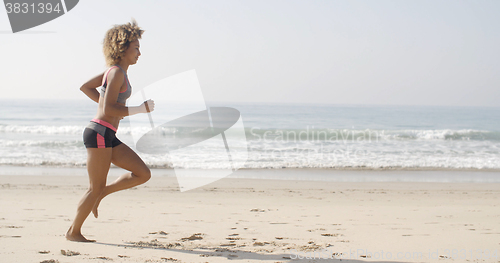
(123, 96)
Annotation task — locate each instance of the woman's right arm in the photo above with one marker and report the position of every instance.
(90, 87)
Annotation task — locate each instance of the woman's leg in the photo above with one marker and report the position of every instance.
(98, 163)
(125, 158)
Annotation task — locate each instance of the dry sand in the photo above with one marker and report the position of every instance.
(250, 220)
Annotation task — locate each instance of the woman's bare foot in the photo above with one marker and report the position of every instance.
(77, 237)
(96, 205)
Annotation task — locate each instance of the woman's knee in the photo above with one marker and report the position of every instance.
(147, 175)
(144, 174)
(96, 189)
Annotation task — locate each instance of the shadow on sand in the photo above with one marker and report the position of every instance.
(235, 254)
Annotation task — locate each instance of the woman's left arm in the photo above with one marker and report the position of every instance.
(90, 87)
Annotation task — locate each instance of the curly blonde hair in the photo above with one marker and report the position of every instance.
(118, 39)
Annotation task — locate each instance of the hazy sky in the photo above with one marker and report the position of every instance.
(334, 52)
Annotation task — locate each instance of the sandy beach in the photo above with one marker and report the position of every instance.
(253, 220)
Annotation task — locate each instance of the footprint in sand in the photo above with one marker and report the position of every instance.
(69, 253)
(104, 258)
(255, 244)
(159, 233)
(331, 235)
(170, 259)
(228, 245)
(193, 237)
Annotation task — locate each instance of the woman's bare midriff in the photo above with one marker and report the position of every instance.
(115, 121)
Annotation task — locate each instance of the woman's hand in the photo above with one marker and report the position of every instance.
(148, 105)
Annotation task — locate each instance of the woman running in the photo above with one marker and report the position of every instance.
(121, 49)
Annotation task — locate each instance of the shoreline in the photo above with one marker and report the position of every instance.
(309, 174)
(392, 168)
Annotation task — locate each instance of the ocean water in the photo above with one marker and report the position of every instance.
(49, 133)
